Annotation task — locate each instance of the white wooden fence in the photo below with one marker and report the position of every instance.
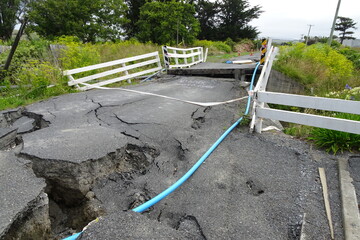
(336, 105)
(183, 57)
(121, 73)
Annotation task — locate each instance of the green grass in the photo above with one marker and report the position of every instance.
(219, 58)
(336, 141)
(318, 67)
(15, 97)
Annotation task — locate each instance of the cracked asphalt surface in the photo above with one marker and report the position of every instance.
(117, 149)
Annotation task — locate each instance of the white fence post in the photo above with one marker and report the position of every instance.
(185, 57)
(126, 72)
(192, 57)
(206, 53)
(256, 122)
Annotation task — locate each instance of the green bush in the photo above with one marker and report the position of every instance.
(335, 141)
(215, 47)
(317, 66)
(221, 46)
(26, 51)
(77, 54)
(352, 55)
(230, 43)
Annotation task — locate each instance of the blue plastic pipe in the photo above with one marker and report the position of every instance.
(73, 237)
(187, 175)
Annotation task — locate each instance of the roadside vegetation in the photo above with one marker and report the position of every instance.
(326, 72)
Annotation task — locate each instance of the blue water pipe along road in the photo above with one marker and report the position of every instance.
(102, 153)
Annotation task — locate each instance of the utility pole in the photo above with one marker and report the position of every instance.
(307, 39)
(334, 22)
(15, 44)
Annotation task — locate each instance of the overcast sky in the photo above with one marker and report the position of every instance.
(289, 19)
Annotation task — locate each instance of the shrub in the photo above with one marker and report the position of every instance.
(317, 66)
(26, 51)
(222, 47)
(230, 43)
(76, 54)
(352, 55)
(334, 141)
(215, 47)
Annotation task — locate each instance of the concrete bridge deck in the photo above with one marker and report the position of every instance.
(237, 71)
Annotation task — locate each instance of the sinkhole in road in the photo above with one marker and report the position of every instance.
(72, 203)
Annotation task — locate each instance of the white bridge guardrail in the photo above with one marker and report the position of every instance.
(183, 57)
(319, 103)
(126, 64)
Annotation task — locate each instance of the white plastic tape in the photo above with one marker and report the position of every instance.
(202, 104)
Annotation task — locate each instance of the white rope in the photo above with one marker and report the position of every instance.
(202, 104)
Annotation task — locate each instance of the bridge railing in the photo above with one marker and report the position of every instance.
(261, 96)
(115, 71)
(182, 57)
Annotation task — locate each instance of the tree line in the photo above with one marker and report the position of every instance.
(158, 21)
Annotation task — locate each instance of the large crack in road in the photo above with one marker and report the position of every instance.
(102, 153)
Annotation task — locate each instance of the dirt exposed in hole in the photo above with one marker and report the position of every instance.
(72, 204)
(66, 218)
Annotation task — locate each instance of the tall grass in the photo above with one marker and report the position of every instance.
(318, 67)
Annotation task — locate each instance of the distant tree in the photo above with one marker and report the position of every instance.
(343, 25)
(165, 22)
(8, 17)
(224, 19)
(133, 14)
(90, 20)
(207, 14)
(235, 16)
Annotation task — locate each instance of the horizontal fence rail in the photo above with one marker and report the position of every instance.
(338, 124)
(121, 72)
(320, 103)
(182, 57)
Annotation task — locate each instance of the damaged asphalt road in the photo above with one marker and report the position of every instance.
(104, 152)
